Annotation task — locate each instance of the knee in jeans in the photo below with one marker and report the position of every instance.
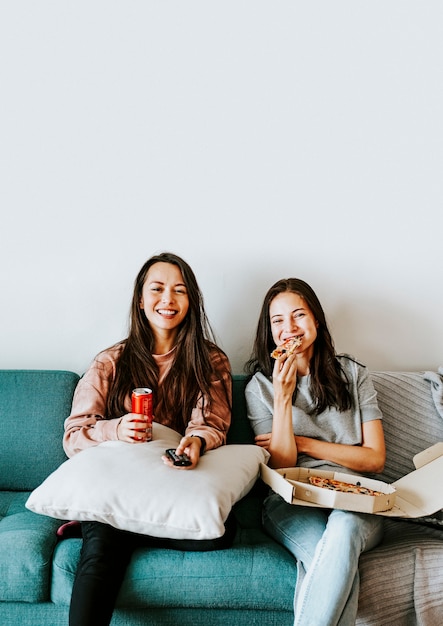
(356, 529)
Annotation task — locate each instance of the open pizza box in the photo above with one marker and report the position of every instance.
(417, 494)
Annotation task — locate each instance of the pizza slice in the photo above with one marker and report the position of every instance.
(288, 346)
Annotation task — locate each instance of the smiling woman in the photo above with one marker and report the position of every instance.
(169, 349)
(165, 303)
(315, 409)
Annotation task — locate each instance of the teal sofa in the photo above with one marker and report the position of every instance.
(252, 582)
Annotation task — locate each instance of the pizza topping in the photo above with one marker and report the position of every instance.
(288, 346)
(338, 485)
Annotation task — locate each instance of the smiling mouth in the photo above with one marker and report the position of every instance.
(166, 312)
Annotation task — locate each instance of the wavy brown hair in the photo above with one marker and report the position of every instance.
(192, 370)
(329, 385)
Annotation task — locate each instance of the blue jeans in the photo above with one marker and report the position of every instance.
(327, 545)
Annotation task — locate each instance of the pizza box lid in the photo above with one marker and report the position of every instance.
(415, 495)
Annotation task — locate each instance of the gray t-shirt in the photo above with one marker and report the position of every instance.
(331, 425)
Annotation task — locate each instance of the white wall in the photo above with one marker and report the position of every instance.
(256, 139)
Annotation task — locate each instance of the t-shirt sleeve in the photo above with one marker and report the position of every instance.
(367, 397)
(259, 405)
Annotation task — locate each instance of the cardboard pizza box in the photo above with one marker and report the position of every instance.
(418, 494)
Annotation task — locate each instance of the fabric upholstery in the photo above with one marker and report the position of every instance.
(27, 542)
(33, 407)
(411, 421)
(237, 578)
(401, 581)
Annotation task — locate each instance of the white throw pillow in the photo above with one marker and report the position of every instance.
(129, 487)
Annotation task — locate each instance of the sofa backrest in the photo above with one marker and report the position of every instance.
(240, 430)
(33, 407)
(412, 407)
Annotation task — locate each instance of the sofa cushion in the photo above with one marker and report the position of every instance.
(26, 544)
(401, 580)
(38, 401)
(236, 578)
(129, 487)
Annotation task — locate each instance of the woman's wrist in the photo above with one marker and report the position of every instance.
(118, 426)
(282, 405)
(203, 444)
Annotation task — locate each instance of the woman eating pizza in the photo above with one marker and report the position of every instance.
(313, 408)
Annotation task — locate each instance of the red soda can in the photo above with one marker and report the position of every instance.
(142, 405)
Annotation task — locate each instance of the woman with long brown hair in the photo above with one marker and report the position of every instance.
(169, 349)
(313, 408)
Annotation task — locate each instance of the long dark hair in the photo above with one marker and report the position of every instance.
(329, 385)
(192, 370)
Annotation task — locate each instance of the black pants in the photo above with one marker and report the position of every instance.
(105, 555)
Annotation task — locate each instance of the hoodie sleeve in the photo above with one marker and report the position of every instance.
(211, 417)
(86, 426)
